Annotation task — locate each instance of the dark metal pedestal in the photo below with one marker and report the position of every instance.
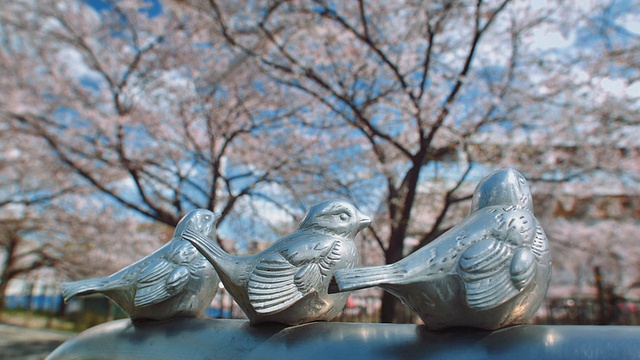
(236, 339)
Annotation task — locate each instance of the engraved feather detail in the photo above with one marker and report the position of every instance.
(276, 283)
(173, 280)
(289, 281)
(484, 266)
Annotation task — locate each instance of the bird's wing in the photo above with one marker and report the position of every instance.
(522, 268)
(282, 278)
(198, 265)
(159, 281)
(485, 269)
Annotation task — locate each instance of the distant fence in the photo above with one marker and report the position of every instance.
(43, 303)
(87, 311)
(92, 310)
(592, 311)
(34, 295)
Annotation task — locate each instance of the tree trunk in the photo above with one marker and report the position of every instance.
(3, 289)
(400, 202)
(7, 274)
(601, 296)
(391, 309)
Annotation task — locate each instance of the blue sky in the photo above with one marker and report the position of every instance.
(154, 6)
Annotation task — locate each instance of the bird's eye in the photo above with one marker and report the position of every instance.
(344, 217)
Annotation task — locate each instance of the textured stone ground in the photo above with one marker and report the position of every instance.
(23, 343)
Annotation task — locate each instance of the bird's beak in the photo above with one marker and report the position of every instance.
(365, 221)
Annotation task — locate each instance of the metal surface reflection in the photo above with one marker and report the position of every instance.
(490, 271)
(235, 339)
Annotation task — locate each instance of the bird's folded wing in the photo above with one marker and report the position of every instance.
(485, 269)
(271, 286)
(197, 266)
(522, 268)
(281, 279)
(152, 283)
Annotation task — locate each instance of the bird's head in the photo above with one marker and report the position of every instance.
(335, 217)
(200, 220)
(504, 187)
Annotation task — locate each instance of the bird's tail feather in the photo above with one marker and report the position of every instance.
(207, 247)
(366, 277)
(82, 287)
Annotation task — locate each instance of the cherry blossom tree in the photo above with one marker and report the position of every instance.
(27, 183)
(158, 115)
(429, 92)
(254, 109)
(48, 218)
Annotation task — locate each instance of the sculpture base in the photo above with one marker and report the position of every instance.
(235, 339)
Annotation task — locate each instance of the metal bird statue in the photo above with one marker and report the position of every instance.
(174, 281)
(490, 271)
(287, 283)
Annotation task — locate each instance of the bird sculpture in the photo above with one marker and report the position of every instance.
(174, 281)
(288, 282)
(490, 271)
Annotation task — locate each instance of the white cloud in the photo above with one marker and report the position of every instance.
(631, 22)
(547, 39)
(616, 87)
(76, 66)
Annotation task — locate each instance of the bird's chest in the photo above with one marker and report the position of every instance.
(350, 258)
